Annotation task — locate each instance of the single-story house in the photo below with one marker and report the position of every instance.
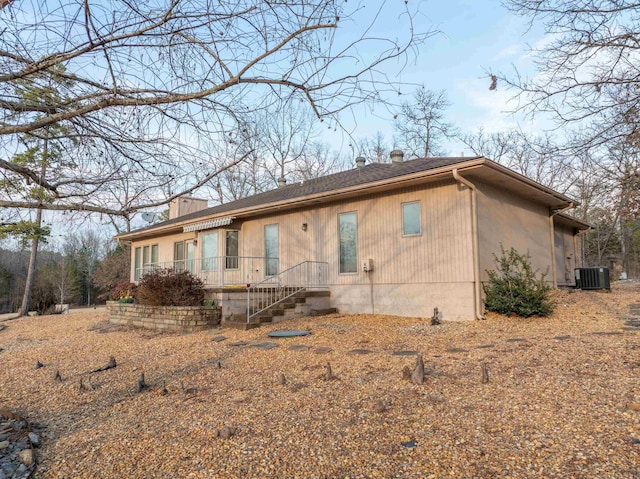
(399, 238)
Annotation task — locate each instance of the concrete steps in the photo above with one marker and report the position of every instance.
(303, 303)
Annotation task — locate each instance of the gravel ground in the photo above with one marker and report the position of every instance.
(562, 400)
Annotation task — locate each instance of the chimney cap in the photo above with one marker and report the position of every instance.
(396, 156)
(360, 161)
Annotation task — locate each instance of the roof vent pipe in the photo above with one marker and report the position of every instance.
(396, 156)
(360, 162)
(282, 182)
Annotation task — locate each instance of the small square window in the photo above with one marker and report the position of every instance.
(411, 219)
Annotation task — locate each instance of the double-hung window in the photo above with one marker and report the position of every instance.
(145, 258)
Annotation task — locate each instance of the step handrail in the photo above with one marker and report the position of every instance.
(275, 289)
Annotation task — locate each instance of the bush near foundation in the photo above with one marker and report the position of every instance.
(516, 288)
(122, 290)
(167, 287)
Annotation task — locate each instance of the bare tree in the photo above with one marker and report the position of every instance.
(375, 149)
(145, 88)
(421, 125)
(317, 160)
(84, 250)
(284, 135)
(588, 72)
(536, 157)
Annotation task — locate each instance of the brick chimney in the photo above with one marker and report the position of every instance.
(185, 205)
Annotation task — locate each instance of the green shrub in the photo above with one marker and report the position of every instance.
(166, 287)
(515, 288)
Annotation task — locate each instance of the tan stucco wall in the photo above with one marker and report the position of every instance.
(513, 222)
(566, 255)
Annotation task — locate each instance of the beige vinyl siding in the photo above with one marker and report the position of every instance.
(513, 221)
(294, 244)
(441, 253)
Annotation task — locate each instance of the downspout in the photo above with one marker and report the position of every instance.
(553, 246)
(474, 228)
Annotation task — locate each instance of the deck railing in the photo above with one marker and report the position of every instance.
(220, 270)
(308, 275)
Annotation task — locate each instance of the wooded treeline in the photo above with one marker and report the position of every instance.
(81, 271)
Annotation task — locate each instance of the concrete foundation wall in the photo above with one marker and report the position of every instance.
(453, 300)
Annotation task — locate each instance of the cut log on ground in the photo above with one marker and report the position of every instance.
(110, 365)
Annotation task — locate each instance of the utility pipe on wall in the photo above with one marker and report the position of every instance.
(553, 245)
(474, 228)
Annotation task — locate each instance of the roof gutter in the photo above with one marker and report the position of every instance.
(477, 293)
(528, 181)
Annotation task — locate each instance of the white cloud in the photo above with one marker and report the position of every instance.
(507, 52)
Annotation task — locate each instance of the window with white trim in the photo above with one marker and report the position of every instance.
(411, 219)
(210, 251)
(348, 235)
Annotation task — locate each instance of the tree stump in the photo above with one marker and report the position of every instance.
(328, 375)
(86, 385)
(142, 385)
(435, 319)
(485, 373)
(417, 376)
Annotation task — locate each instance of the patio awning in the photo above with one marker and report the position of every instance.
(206, 225)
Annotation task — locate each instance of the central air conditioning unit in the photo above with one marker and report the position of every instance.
(592, 278)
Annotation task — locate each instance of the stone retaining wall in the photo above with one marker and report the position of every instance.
(167, 318)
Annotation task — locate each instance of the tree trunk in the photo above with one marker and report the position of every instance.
(31, 272)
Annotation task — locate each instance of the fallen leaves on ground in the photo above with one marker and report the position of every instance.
(556, 404)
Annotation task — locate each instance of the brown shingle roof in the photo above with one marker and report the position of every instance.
(344, 179)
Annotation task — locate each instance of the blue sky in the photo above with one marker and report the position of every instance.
(475, 36)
